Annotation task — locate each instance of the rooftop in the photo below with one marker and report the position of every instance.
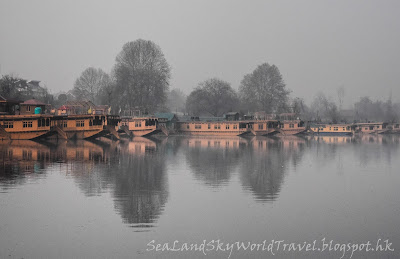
(33, 102)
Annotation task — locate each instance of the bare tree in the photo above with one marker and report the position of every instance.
(142, 76)
(340, 93)
(213, 96)
(89, 83)
(176, 100)
(264, 89)
(323, 108)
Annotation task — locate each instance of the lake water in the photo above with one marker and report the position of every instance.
(104, 199)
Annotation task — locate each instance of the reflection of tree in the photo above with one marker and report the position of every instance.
(136, 177)
(135, 174)
(212, 161)
(140, 187)
(264, 165)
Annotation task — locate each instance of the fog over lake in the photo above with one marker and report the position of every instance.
(317, 45)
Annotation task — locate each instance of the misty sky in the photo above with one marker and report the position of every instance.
(317, 45)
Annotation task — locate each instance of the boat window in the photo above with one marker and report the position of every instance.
(39, 123)
(47, 122)
(80, 123)
(227, 126)
(9, 124)
(90, 123)
(260, 126)
(209, 126)
(187, 126)
(27, 124)
(197, 126)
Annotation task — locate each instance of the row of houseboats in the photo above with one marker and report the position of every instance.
(76, 121)
(35, 126)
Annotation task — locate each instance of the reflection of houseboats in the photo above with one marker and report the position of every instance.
(331, 129)
(371, 127)
(333, 139)
(228, 142)
(140, 146)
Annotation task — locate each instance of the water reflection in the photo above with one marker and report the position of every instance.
(265, 164)
(139, 181)
(368, 148)
(213, 160)
(136, 175)
(133, 172)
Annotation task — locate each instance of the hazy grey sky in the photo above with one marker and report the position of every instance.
(317, 45)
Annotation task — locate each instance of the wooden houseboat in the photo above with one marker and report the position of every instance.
(81, 126)
(331, 129)
(227, 128)
(139, 126)
(394, 128)
(263, 127)
(291, 127)
(24, 126)
(371, 128)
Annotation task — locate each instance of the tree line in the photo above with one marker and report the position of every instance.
(140, 81)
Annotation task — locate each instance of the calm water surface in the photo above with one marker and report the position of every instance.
(104, 199)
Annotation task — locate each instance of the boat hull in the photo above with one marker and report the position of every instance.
(23, 135)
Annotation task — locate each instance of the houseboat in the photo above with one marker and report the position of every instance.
(371, 128)
(24, 126)
(82, 120)
(227, 128)
(23, 120)
(331, 129)
(394, 128)
(291, 127)
(139, 126)
(81, 126)
(263, 127)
